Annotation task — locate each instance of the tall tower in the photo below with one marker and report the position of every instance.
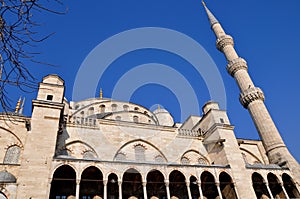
(252, 98)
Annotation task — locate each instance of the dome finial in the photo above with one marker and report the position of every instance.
(101, 93)
(18, 106)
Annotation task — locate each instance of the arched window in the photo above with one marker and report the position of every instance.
(114, 107)
(126, 108)
(118, 118)
(120, 157)
(12, 155)
(135, 119)
(136, 108)
(88, 155)
(102, 108)
(259, 186)
(202, 161)
(91, 111)
(139, 153)
(185, 160)
(159, 159)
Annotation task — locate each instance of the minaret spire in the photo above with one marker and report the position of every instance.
(252, 98)
(212, 19)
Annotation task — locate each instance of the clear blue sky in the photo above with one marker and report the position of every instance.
(266, 33)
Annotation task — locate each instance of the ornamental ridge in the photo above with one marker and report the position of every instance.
(235, 65)
(223, 41)
(251, 95)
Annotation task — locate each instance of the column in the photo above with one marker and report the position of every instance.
(200, 189)
(269, 190)
(167, 189)
(236, 191)
(188, 189)
(105, 189)
(77, 188)
(120, 189)
(284, 191)
(219, 190)
(145, 190)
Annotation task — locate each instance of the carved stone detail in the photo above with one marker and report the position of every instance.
(224, 41)
(250, 95)
(235, 65)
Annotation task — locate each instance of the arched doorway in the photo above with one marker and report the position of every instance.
(63, 183)
(112, 187)
(208, 185)
(259, 186)
(178, 188)
(226, 186)
(132, 184)
(91, 183)
(275, 187)
(194, 187)
(289, 186)
(155, 185)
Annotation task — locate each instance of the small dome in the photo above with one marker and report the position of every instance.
(6, 177)
(164, 117)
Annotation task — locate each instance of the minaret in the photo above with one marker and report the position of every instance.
(252, 98)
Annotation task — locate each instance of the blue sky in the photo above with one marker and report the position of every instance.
(266, 34)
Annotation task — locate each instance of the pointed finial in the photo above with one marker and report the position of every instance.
(212, 19)
(18, 105)
(158, 107)
(22, 106)
(101, 93)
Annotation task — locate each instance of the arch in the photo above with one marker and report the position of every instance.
(114, 107)
(177, 185)
(112, 186)
(132, 184)
(289, 186)
(257, 160)
(91, 183)
(136, 119)
(259, 186)
(14, 135)
(194, 187)
(139, 151)
(194, 157)
(275, 186)
(6, 177)
(90, 111)
(12, 155)
(2, 196)
(208, 185)
(63, 182)
(65, 150)
(102, 108)
(227, 186)
(143, 142)
(155, 185)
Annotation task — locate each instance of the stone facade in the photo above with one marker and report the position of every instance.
(104, 148)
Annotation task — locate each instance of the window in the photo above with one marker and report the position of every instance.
(202, 161)
(88, 155)
(91, 111)
(159, 159)
(120, 157)
(135, 119)
(222, 120)
(139, 153)
(114, 107)
(102, 108)
(50, 97)
(185, 160)
(136, 108)
(126, 108)
(12, 155)
(118, 118)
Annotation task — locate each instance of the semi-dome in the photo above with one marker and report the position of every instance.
(6, 177)
(164, 117)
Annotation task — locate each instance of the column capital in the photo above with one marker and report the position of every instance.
(144, 184)
(235, 65)
(187, 183)
(119, 182)
(250, 95)
(224, 41)
(167, 182)
(105, 182)
(78, 181)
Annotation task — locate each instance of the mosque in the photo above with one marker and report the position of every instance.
(109, 149)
